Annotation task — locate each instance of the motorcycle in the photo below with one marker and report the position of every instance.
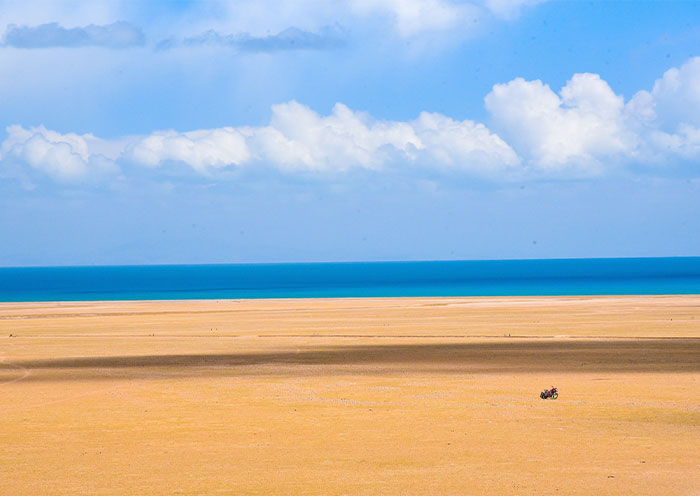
(550, 393)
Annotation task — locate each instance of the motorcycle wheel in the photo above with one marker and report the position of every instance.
(555, 396)
(542, 395)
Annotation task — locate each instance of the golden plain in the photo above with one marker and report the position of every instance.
(352, 396)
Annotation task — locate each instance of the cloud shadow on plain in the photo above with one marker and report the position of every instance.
(516, 356)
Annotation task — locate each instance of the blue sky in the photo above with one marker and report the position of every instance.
(265, 131)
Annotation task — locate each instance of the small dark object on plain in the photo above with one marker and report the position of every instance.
(550, 393)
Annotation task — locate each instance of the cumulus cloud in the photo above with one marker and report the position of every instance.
(674, 99)
(585, 129)
(289, 39)
(202, 150)
(119, 34)
(64, 157)
(575, 128)
(669, 114)
(299, 139)
(464, 145)
(684, 143)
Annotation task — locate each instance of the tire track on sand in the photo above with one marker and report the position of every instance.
(25, 371)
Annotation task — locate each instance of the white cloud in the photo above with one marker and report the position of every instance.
(583, 130)
(298, 138)
(585, 123)
(684, 143)
(64, 157)
(340, 141)
(202, 150)
(669, 114)
(674, 99)
(587, 129)
(465, 145)
(411, 17)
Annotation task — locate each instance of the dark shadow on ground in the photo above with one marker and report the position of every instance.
(506, 356)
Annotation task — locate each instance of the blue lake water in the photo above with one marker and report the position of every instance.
(460, 278)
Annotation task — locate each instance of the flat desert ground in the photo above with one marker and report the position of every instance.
(351, 396)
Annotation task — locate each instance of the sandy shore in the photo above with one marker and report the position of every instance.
(351, 396)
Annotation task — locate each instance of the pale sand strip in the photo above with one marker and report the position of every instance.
(599, 316)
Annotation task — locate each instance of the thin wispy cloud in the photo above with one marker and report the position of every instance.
(120, 34)
(509, 9)
(287, 40)
(238, 25)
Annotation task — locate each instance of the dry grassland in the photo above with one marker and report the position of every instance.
(351, 396)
